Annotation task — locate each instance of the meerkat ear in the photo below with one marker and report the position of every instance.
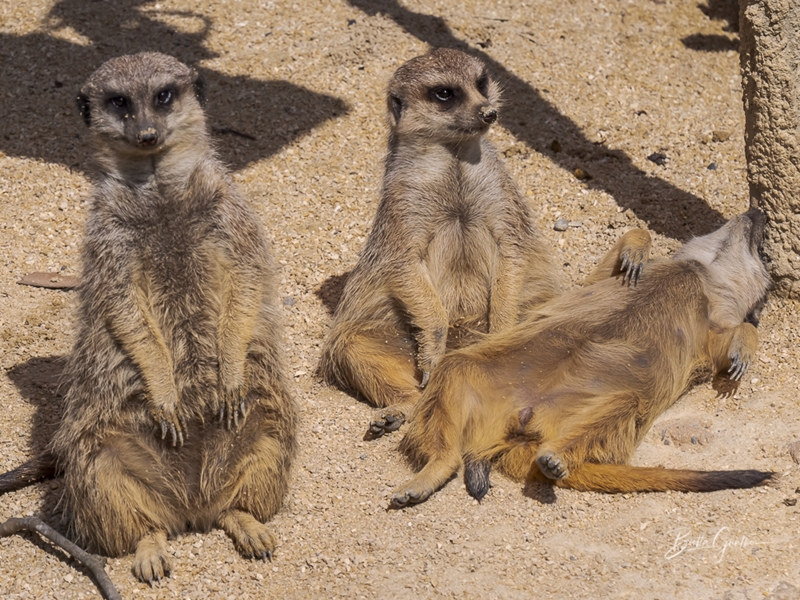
(396, 106)
(199, 86)
(84, 108)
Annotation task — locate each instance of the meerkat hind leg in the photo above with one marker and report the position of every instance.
(428, 480)
(389, 377)
(252, 538)
(402, 373)
(151, 561)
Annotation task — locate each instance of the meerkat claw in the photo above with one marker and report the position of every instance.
(424, 382)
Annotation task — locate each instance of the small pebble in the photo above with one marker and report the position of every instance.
(561, 225)
(720, 135)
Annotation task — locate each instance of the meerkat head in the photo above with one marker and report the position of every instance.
(135, 104)
(446, 96)
(738, 278)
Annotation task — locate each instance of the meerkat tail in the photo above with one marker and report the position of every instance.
(476, 476)
(36, 469)
(617, 479)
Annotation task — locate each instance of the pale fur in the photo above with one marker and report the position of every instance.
(567, 395)
(177, 412)
(453, 250)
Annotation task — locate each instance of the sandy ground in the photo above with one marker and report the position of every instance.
(613, 82)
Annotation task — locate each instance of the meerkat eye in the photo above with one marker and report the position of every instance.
(483, 85)
(443, 94)
(119, 101)
(164, 97)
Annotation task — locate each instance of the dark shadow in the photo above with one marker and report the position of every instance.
(710, 43)
(532, 119)
(38, 380)
(543, 493)
(40, 74)
(723, 10)
(331, 290)
(724, 387)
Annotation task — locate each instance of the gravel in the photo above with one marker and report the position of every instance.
(296, 101)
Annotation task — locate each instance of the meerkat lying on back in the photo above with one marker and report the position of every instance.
(177, 412)
(567, 395)
(453, 249)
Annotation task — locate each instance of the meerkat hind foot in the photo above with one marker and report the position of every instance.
(252, 538)
(402, 498)
(151, 561)
(551, 465)
(386, 420)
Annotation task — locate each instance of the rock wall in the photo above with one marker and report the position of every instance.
(770, 61)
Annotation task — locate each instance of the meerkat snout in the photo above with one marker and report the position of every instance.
(487, 114)
(148, 137)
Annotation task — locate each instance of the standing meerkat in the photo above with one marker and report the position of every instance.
(177, 413)
(567, 395)
(453, 248)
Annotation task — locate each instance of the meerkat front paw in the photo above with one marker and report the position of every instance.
(741, 351)
(432, 346)
(739, 366)
(634, 255)
(232, 405)
(409, 494)
(169, 420)
(231, 401)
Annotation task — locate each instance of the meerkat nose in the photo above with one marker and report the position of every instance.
(148, 137)
(488, 115)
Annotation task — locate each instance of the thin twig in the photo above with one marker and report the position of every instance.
(93, 563)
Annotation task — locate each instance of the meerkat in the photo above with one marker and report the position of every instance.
(177, 413)
(453, 250)
(566, 396)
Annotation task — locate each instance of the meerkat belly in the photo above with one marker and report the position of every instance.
(461, 261)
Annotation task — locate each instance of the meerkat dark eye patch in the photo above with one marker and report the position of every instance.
(483, 85)
(397, 107)
(118, 102)
(84, 108)
(164, 97)
(199, 86)
(443, 94)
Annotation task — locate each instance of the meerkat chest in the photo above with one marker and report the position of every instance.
(180, 274)
(463, 252)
